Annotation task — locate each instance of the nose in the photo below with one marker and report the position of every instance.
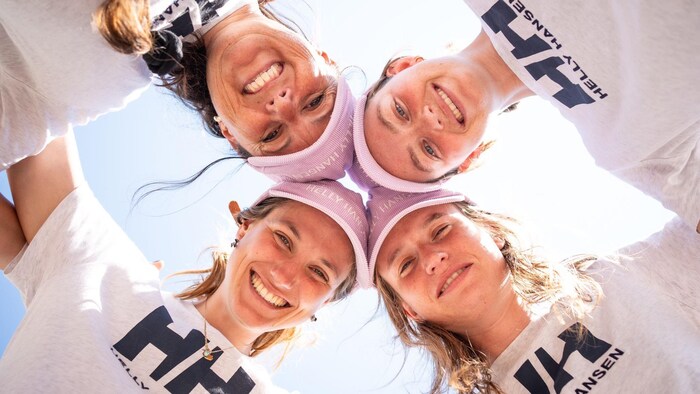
(432, 118)
(281, 104)
(283, 275)
(433, 260)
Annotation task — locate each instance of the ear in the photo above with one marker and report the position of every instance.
(242, 229)
(468, 164)
(227, 133)
(400, 64)
(500, 242)
(326, 58)
(234, 208)
(410, 312)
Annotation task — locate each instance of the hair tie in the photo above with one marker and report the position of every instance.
(166, 53)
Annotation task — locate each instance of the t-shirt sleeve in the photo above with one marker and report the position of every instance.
(79, 231)
(670, 261)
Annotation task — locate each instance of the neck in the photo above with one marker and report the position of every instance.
(241, 337)
(500, 330)
(507, 88)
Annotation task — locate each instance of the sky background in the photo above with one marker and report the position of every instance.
(538, 171)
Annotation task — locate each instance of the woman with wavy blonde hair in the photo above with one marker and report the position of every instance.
(96, 317)
(495, 317)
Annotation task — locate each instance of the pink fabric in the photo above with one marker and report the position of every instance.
(342, 205)
(327, 158)
(367, 173)
(387, 207)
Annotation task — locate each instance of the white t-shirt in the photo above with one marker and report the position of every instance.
(626, 75)
(57, 71)
(643, 337)
(97, 320)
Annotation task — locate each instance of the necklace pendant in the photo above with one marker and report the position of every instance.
(206, 354)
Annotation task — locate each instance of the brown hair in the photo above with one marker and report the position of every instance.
(214, 276)
(535, 280)
(126, 26)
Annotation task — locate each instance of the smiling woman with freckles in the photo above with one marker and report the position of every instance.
(496, 317)
(257, 83)
(633, 95)
(97, 319)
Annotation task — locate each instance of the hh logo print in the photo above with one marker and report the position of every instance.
(499, 17)
(589, 347)
(153, 330)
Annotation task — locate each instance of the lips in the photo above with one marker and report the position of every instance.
(260, 80)
(450, 279)
(265, 293)
(450, 104)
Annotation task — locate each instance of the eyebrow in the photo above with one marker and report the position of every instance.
(292, 228)
(416, 163)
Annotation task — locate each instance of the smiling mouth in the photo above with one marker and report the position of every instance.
(277, 302)
(451, 279)
(263, 78)
(455, 111)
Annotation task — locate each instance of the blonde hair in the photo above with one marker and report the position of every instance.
(213, 277)
(456, 362)
(125, 24)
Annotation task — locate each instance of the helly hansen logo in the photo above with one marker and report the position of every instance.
(153, 330)
(576, 85)
(588, 346)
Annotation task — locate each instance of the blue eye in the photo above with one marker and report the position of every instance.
(429, 150)
(400, 110)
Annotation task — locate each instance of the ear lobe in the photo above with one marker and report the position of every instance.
(242, 229)
(400, 64)
(410, 312)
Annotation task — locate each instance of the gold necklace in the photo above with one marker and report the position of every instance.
(207, 353)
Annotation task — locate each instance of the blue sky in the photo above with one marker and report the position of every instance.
(538, 171)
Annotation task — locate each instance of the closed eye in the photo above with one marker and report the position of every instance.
(442, 231)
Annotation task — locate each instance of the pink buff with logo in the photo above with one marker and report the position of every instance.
(367, 173)
(327, 158)
(342, 205)
(387, 207)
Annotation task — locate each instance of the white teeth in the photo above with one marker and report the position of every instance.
(264, 293)
(264, 77)
(457, 114)
(450, 279)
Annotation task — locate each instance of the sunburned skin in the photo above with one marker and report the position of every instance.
(273, 92)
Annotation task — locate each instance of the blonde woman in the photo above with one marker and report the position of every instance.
(495, 317)
(97, 319)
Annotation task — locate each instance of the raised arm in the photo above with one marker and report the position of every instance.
(39, 183)
(11, 236)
